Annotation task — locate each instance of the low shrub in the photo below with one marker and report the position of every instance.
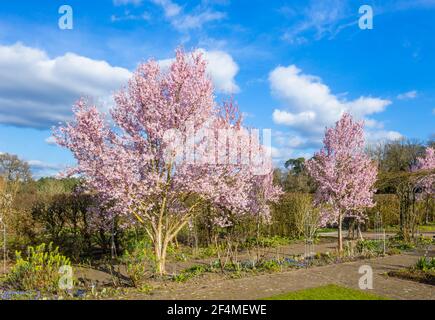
(206, 252)
(401, 244)
(425, 264)
(424, 241)
(270, 265)
(39, 270)
(369, 247)
(393, 251)
(266, 242)
(190, 273)
(138, 259)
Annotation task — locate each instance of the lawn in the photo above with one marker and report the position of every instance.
(430, 227)
(427, 228)
(328, 292)
(325, 230)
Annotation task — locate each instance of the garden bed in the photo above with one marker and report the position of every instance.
(329, 292)
(423, 271)
(414, 275)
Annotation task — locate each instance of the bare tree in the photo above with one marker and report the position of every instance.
(14, 169)
(395, 156)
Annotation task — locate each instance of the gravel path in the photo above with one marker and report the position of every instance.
(261, 286)
(216, 287)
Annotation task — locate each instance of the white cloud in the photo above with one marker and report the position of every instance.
(407, 95)
(288, 144)
(310, 106)
(382, 135)
(220, 66)
(317, 20)
(50, 140)
(170, 8)
(291, 119)
(223, 70)
(126, 2)
(127, 16)
(183, 21)
(196, 21)
(366, 105)
(281, 154)
(38, 91)
(43, 169)
(294, 141)
(39, 165)
(401, 5)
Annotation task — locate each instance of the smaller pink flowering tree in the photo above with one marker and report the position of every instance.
(427, 182)
(428, 161)
(254, 163)
(345, 175)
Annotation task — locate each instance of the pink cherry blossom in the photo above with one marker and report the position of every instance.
(427, 163)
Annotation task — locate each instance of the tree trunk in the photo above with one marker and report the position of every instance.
(160, 247)
(162, 238)
(359, 232)
(162, 233)
(351, 230)
(160, 252)
(340, 233)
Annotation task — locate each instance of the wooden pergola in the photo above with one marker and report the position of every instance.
(407, 186)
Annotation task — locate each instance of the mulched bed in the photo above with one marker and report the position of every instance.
(427, 277)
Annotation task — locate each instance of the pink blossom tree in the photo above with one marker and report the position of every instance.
(344, 173)
(162, 156)
(258, 162)
(428, 161)
(427, 182)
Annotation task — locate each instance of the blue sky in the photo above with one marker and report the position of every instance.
(292, 66)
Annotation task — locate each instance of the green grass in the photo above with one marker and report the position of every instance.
(325, 230)
(328, 292)
(427, 228)
(430, 227)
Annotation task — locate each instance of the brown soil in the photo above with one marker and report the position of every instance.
(218, 286)
(414, 275)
